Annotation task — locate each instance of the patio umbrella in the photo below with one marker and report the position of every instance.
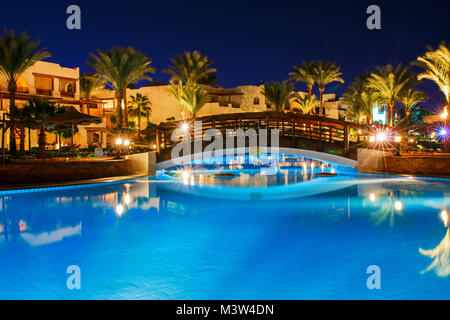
(71, 116)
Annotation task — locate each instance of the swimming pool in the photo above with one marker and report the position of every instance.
(178, 235)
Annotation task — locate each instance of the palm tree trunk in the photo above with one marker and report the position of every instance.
(321, 91)
(119, 110)
(12, 87)
(125, 109)
(393, 112)
(22, 140)
(139, 124)
(41, 141)
(309, 88)
(445, 139)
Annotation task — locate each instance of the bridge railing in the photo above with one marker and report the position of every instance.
(290, 125)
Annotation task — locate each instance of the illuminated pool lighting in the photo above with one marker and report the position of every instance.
(398, 205)
(372, 197)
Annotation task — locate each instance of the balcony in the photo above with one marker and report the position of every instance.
(22, 89)
(67, 94)
(44, 92)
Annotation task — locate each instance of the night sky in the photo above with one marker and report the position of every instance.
(250, 41)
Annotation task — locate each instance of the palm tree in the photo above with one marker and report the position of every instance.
(304, 73)
(192, 68)
(323, 74)
(40, 111)
(360, 106)
(190, 98)
(307, 103)
(410, 98)
(90, 84)
(279, 93)
(391, 83)
(139, 106)
(23, 116)
(437, 68)
(360, 99)
(18, 52)
(119, 67)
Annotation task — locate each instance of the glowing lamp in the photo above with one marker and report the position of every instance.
(443, 132)
(372, 139)
(381, 137)
(126, 142)
(119, 141)
(398, 205)
(185, 126)
(372, 197)
(444, 114)
(398, 139)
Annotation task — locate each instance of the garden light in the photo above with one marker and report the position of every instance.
(444, 114)
(126, 142)
(398, 139)
(443, 132)
(119, 141)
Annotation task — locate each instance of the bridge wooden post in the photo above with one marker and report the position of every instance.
(319, 147)
(346, 140)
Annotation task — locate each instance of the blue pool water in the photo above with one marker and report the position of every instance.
(261, 232)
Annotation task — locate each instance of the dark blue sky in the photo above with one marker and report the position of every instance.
(250, 41)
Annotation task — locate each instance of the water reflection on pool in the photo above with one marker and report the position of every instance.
(144, 239)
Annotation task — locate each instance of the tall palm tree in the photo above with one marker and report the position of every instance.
(190, 98)
(279, 93)
(410, 98)
(307, 103)
(391, 83)
(192, 68)
(139, 106)
(437, 68)
(119, 67)
(323, 74)
(18, 52)
(304, 73)
(40, 111)
(90, 84)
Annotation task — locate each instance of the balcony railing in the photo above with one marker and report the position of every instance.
(67, 94)
(22, 90)
(44, 92)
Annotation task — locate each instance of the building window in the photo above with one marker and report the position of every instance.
(43, 85)
(256, 100)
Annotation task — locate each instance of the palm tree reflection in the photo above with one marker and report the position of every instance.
(440, 254)
(391, 208)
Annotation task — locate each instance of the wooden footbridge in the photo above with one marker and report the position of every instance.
(295, 131)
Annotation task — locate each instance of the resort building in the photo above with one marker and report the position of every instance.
(58, 84)
(61, 85)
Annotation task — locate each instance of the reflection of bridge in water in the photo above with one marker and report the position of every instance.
(296, 131)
